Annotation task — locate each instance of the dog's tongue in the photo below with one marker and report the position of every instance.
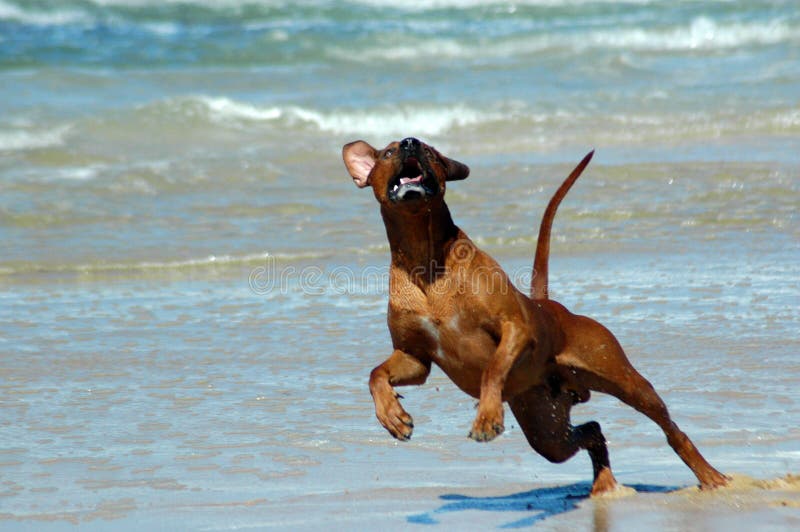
(404, 180)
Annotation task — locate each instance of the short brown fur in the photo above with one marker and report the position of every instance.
(452, 305)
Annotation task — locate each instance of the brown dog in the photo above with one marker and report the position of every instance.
(451, 304)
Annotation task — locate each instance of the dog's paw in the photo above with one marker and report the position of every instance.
(486, 428)
(713, 480)
(396, 420)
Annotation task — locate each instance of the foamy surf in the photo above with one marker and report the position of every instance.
(425, 119)
(554, 125)
(30, 138)
(207, 262)
(701, 34)
(43, 17)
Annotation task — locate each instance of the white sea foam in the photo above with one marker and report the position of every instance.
(28, 139)
(42, 18)
(79, 173)
(163, 29)
(429, 120)
(700, 34)
(222, 4)
(409, 5)
(424, 5)
(789, 119)
(382, 121)
(222, 109)
(210, 261)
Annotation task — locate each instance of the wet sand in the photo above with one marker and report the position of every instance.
(747, 504)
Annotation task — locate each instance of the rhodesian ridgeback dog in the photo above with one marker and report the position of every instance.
(451, 304)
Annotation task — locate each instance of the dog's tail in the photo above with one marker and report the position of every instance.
(540, 262)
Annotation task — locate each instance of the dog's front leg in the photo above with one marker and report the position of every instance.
(489, 421)
(400, 369)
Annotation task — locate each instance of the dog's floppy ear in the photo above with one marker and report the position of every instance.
(456, 171)
(359, 158)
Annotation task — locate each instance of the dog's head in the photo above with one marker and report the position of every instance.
(404, 174)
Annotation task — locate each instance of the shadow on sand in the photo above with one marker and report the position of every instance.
(539, 503)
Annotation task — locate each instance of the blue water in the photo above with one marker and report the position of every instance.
(192, 293)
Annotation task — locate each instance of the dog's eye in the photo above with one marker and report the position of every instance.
(388, 153)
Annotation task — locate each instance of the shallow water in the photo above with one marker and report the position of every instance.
(192, 293)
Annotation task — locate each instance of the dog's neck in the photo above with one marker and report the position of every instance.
(419, 241)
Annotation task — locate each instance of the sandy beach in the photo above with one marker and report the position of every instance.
(746, 503)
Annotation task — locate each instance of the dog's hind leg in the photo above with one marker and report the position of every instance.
(636, 391)
(545, 421)
(600, 364)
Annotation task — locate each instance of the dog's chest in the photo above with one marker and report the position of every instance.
(421, 332)
(435, 330)
(441, 331)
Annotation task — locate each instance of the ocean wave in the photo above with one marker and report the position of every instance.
(77, 173)
(205, 118)
(422, 118)
(260, 263)
(211, 261)
(41, 17)
(701, 34)
(425, 119)
(214, 119)
(348, 35)
(8, 10)
(27, 138)
(787, 119)
(423, 5)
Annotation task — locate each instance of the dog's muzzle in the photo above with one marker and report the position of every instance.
(414, 181)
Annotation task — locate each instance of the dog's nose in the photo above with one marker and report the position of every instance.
(409, 145)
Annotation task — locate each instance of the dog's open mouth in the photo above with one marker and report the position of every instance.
(412, 183)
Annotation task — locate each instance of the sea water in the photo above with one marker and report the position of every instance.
(192, 292)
